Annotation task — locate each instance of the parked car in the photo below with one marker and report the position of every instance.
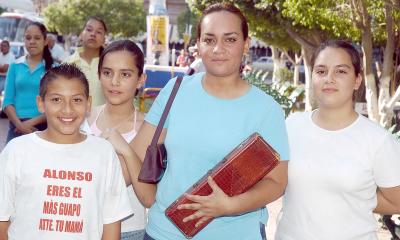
(264, 63)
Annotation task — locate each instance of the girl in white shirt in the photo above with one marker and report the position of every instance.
(343, 166)
(121, 74)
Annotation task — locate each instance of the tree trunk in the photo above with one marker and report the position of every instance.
(386, 114)
(309, 101)
(366, 42)
(296, 74)
(277, 60)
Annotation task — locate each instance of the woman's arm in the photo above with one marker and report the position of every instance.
(4, 229)
(36, 120)
(112, 231)
(388, 200)
(21, 127)
(217, 204)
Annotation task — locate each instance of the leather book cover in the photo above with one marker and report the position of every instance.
(242, 168)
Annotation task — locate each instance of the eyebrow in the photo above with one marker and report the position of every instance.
(123, 69)
(340, 65)
(225, 34)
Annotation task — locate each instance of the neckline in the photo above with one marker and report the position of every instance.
(332, 131)
(129, 131)
(46, 142)
(204, 91)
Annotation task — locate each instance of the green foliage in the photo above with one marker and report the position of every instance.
(2, 10)
(187, 17)
(284, 75)
(284, 93)
(124, 18)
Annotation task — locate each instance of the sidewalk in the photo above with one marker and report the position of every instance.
(275, 207)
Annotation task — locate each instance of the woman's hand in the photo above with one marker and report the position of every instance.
(24, 128)
(214, 205)
(118, 142)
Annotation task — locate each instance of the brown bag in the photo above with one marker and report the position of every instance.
(155, 160)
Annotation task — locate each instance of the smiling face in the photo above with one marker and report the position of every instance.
(221, 44)
(93, 35)
(65, 105)
(35, 41)
(334, 79)
(119, 77)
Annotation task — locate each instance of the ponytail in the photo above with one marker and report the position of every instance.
(48, 59)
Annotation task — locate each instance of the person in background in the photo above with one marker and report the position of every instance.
(6, 58)
(343, 166)
(57, 52)
(197, 65)
(181, 59)
(22, 83)
(87, 57)
(121, 75)
(213, 112)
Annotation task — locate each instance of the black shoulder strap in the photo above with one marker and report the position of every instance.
(166, 111)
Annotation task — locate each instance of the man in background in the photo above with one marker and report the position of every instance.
(6, 58)
(57, 52)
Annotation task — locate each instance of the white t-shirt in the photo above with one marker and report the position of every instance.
(58, 53)
(60, 191)
(6, 59)
(198, 65)
(333, 177)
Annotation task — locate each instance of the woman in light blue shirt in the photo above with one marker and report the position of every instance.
(212, 113)
(22, 83)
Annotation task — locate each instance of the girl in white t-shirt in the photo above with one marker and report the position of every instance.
(343, 167)
(60, 183)
(121, 74)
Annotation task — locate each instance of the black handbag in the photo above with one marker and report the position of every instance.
(155, 160)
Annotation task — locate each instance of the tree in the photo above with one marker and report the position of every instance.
(124, 18)
(373, 23)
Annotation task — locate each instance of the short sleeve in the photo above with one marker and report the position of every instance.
(387, 163)
(116, 204)
(273, 130)
(7, 183)
(9, 89)
(156, 110)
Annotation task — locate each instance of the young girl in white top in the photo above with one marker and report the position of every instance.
(60, 183)
(343, 167)
(121, 74)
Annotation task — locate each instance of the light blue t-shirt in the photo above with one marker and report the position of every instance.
(202, 130)
(22, 87)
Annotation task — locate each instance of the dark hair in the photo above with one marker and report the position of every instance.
(100, 20)
(5, 41)
(48, 59)
(218, 7)
(346, 46)
(68, 71)
(124, 45)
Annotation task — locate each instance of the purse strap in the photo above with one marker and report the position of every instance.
(166, 111)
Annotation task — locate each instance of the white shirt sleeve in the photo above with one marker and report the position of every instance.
(7, 183)
(116, 204)
(387, 163)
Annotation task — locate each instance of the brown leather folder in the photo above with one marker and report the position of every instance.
(243, 167)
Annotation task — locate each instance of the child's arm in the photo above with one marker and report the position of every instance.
(145, 192)
(112, 231)
(3, 230)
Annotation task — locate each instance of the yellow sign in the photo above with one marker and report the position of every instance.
(158, 36)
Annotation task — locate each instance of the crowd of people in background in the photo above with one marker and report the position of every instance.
(84, 142)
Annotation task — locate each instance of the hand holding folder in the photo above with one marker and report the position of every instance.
(241, 169)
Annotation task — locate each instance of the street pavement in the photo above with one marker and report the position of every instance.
(273, 208)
